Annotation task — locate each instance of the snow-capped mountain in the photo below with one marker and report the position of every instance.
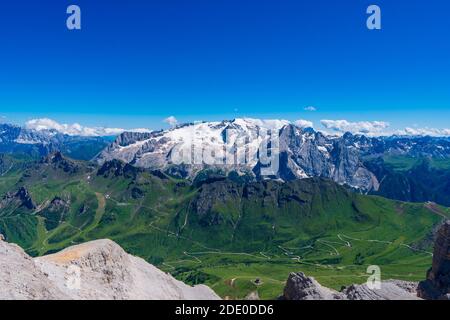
(259, 149)
(242, 145)
(15, 139)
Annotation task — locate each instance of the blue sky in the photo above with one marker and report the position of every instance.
(137, 62)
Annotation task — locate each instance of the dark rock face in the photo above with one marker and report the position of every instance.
(20, 199)
(128, 138)
(25, 197)
(211, 194)
(219, 201)
(55, 213)
(421, 183)
(316, 155)
(116, 168)
(437, 285)
(59, 162)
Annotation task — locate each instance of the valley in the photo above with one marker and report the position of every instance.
(238, 237)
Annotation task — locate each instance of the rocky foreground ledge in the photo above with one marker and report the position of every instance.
(301, 287)
(94, 270)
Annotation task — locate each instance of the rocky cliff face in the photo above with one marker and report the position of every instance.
(95, 270)
(301, 287)
(437, 284)
(303, 152)
(17, 200)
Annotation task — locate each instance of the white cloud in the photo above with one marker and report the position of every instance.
(75, 129)
(361, 127)
(310, 108)
(434, 132)
(303, 123)
(140, 130)
(172, 121)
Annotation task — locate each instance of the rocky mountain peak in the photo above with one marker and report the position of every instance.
(58, 161)
(437, 284)
(116, 168)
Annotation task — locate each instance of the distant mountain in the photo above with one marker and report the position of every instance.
(412, 179)
(303, 152)
(33, 143)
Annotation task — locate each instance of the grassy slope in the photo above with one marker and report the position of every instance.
(404, 163)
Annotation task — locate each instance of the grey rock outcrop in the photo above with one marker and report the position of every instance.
(437, 284)
(21, 279)
(301, 287)
(97, 270)
(389, 290)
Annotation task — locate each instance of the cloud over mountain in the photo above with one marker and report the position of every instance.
(434, 132)
(75, 129)
(303, 123)
(172, 121)
(360, 127)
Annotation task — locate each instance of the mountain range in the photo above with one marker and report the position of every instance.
(302, 152)
(38, 143)
(388, 166)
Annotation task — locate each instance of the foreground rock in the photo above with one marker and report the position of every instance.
(95, 270)
(301, 287)
(390, 290)
(20, 278)
(437, 284)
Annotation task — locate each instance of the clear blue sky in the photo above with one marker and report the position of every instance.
(136, 62)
